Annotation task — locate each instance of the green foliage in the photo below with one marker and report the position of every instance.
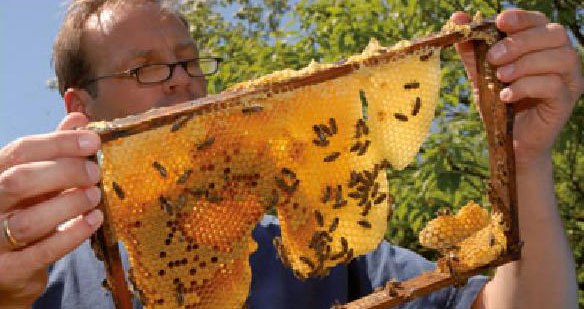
(261, 36)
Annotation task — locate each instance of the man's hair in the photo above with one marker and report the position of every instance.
(70, 60)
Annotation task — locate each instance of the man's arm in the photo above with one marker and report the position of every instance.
(545, 276)
(544, 75)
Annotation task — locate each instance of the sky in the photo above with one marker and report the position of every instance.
(27, 31)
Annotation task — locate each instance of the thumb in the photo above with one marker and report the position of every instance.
(465, 49)
(72, 121)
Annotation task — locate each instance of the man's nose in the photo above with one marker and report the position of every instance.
(178, 78)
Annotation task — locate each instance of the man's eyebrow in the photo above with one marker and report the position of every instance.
(134, 54)
(185, 45)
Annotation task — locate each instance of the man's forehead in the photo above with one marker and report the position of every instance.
(131, 27)
(113, 13)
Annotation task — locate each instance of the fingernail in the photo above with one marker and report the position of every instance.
(93, 194)
(88, 141)
(505, 71)
(94, 218)
(498, 51)
(506, 94)
(92, 171)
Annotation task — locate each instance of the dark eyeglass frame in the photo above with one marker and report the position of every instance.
(171, 65)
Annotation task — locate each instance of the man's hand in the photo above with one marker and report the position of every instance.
(544, 75)
(45, 181)
(543, 72)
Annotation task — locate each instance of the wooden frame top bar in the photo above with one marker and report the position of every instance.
(166, 115)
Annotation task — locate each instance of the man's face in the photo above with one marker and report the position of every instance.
(127, 36)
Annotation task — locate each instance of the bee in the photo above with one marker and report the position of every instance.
(274, 199)
(331, 157)
(339, 194)
(289, 172)
(197, 192)
(165, 205)
(344, 244)
(318, 130)
(364, 127)
(364, 223)
(320, 142)
(355, 146)
(375, 189)
(252, 109)
(208, 142)
(355, 194)
(118, 190)
(333, 225)
(326, 130)
(349, 256)
(333, 125)
(180, 298)
(491, 240)
(177, 125)
(364, 148)
(319, 218)
(363, 200)
(284, 186)
(159, 168)
(353, 179)
(327, 194)
(417, 106)
(380, 198)
(443, 212)
(184, 177)
(412, 85)
(391, 292)
(400, 117)
(307, 261)
(277, 242)
(426, 56)
(365, 211)
(180, 202)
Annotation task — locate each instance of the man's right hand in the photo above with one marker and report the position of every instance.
(45, 181)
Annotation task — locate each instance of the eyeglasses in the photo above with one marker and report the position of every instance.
(161, 72)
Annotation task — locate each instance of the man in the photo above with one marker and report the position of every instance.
(46, 180)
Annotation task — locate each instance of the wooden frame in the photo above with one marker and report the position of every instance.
(497, 118)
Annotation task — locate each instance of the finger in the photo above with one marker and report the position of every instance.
(515, 20)
(548, 86)
(72, 121)
(31, 179)
(465, 49)
(560, 61)
(49, 146)
(32, 224)
(54, 247)
(538, 38)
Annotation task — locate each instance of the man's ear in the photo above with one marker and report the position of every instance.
(78, 100)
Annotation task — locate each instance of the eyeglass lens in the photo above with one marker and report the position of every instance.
(159, 72)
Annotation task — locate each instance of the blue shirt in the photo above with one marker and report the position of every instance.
(75, 280)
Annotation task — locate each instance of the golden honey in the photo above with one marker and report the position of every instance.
(185, 197)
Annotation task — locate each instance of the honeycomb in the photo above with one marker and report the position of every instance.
(470, 236)
(448, 230)
(185, 197)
